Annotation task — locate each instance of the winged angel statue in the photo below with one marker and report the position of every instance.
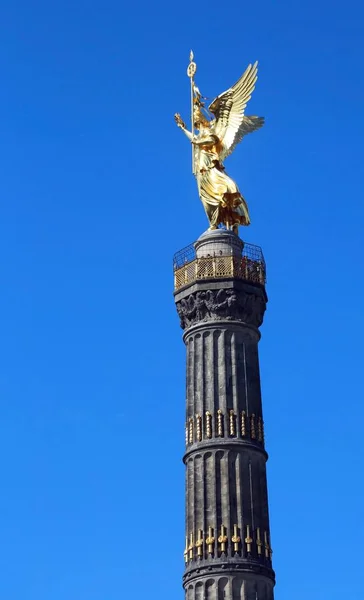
(220, 129)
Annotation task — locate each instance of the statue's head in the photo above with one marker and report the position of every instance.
(199, 119)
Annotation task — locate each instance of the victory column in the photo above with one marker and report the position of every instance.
(221, 299)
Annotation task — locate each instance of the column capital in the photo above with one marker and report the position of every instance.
(226, 300)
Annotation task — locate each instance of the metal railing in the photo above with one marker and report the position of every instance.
(250, 266)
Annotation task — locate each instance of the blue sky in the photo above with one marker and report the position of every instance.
(96, 196)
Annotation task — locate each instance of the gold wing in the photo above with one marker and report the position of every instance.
(228, 108)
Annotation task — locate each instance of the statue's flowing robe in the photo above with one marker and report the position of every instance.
(219, 194)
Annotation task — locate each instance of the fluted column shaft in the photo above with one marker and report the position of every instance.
(225, 455)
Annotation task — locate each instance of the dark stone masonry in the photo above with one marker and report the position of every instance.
(228, 554)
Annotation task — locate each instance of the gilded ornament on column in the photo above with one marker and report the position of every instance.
(222, 539)
(190, 430)
(190, 547)
(236, 539)
(199, 428)
(253, 433)
(248, 540)
(210, 540)
(208, 424)
(199, 543)
(243, 423)
(232, 418)
(186, 434)
(259, 542)
(268, 549)
(260, 430)
(185, 554)
(220, 426)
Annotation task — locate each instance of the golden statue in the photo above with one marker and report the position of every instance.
(220, 128)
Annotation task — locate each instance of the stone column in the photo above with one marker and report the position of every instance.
(228, 547)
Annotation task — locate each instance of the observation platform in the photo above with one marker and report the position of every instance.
(219, 261)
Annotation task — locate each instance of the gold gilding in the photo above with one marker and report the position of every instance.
(208, 425)
(216, 267)
(259, 542)
(248, 540)
(236, 539)
(210, 540)
(198, 428)
(222, 539)
(267, 548)
(260, 430)
(199, 543)
(243, 423)
(190, 547)
(219, 130)
(253, 433)
(232, 420)
(190, 430)
(220, 426)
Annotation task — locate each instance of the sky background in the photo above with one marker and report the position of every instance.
(96, 196)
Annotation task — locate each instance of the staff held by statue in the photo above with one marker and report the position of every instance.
(191, 70)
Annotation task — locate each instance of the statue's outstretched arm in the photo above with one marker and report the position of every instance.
(181, 125)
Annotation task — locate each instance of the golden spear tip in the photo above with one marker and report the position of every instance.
(191, 55)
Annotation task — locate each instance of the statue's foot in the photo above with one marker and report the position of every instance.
(212, 227)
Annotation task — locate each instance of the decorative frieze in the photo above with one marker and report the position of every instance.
(202, 546)
(224, 304)
(237, 426)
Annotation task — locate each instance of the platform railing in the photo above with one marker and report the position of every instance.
(250, 266)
